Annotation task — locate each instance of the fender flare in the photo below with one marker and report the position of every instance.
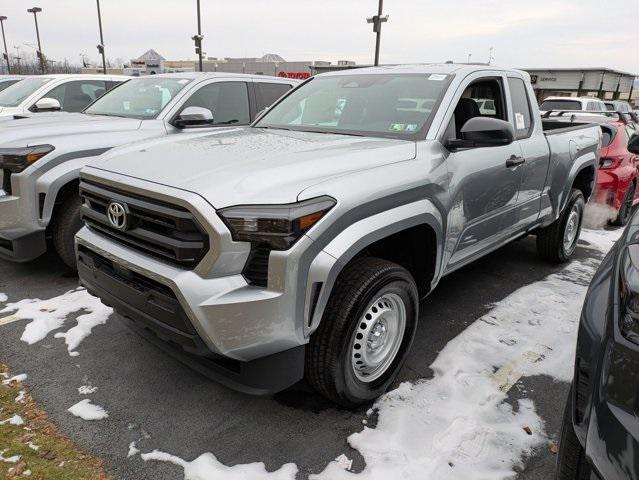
(335, 255)
(579, 164)
(53, 180)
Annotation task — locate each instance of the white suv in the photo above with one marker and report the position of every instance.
(50, 93)
(590, 104)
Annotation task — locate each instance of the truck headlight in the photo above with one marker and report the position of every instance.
(629, 294)
(277, 226)
(18, 159)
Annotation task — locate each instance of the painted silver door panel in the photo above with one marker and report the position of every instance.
(484, 199)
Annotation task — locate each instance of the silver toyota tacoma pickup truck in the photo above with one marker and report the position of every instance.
(301, 246)
(41, 157)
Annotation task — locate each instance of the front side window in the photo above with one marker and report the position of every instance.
(16, 94)
(76, 95)
(268, 93)
(141, 98)
(387, 105)
(227, 101)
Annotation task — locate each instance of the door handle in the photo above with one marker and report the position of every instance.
(514, 161)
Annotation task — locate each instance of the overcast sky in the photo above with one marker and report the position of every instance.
(524, 33)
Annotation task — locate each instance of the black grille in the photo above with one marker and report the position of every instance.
(162, 230)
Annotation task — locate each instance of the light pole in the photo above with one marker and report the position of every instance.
(101, 46)
(377, 21)
(17, 57)
(4, 40)
(35, 11)
(198, 38)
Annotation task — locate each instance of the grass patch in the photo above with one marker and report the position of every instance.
(44, 454)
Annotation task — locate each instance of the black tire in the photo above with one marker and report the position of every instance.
(550, 240)
(66, 223)
(571, 458)
(625, 211)
(329, 365)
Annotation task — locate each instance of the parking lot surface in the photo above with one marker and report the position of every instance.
(456, 405)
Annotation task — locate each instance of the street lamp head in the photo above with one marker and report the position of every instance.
(2, 18)
(34, 10)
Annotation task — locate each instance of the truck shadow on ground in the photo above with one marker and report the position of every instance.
(187, 414)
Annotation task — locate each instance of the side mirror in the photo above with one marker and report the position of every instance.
(479, 132)
(633, 145)
(47, 105)
(193, 117)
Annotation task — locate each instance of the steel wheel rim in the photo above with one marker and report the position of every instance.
(572, 228)
(378, 337)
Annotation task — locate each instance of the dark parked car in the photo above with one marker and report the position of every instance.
(600, 436)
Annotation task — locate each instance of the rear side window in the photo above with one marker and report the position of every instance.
(268, 93)
(227, 101)
(522, 117)
(560, 105)
(76, 95)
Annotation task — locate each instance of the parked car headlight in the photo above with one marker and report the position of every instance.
(18, 159)
(629, 294)
(278, 226)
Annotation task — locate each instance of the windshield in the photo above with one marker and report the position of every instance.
(560, 105)
(16, 94)
(389, 105)
(139, 98)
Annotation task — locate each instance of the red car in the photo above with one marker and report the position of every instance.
(618, 169)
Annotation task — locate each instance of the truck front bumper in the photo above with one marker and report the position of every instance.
(232, 332)
(21, 239)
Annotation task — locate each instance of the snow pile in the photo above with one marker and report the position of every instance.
(87, 390)
(20, 397)
(49, 315)
(13, 459)
(15, 420)
(207, 467)
(16, 378)
(3, 297)
(88, 411)
(133, 449)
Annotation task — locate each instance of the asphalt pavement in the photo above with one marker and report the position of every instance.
(161, 404)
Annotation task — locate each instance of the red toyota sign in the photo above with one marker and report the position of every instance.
(297, 75)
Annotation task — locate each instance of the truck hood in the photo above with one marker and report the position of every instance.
(45, 127)
(253, 165)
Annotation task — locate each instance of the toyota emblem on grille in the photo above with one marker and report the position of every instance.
(118, 215)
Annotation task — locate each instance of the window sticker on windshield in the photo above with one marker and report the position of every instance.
(437, 76)
(520, 122)
(411, 127)
(397, 127)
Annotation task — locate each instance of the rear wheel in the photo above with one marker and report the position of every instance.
(625, 211)
(365, 333)
(66, 224)
(571, 458)
(557, 241)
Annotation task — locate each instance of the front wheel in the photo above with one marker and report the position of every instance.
(558, 241)
(66, 224)
(365, 333)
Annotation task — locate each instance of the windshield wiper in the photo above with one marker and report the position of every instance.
(274, 128)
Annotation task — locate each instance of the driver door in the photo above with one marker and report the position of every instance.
(484, 182)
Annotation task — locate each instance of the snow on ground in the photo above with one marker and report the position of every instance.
(49, 315)
(14, 420)
(133, 449)
(13, 459)
(16, 378)
(3, 297)
(87, 390)
(458, 425)
(88, 411)
(207, 467)
(20, 397)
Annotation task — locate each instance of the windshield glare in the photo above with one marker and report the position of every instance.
(389, 105)
(16, 94)
(138, 98)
